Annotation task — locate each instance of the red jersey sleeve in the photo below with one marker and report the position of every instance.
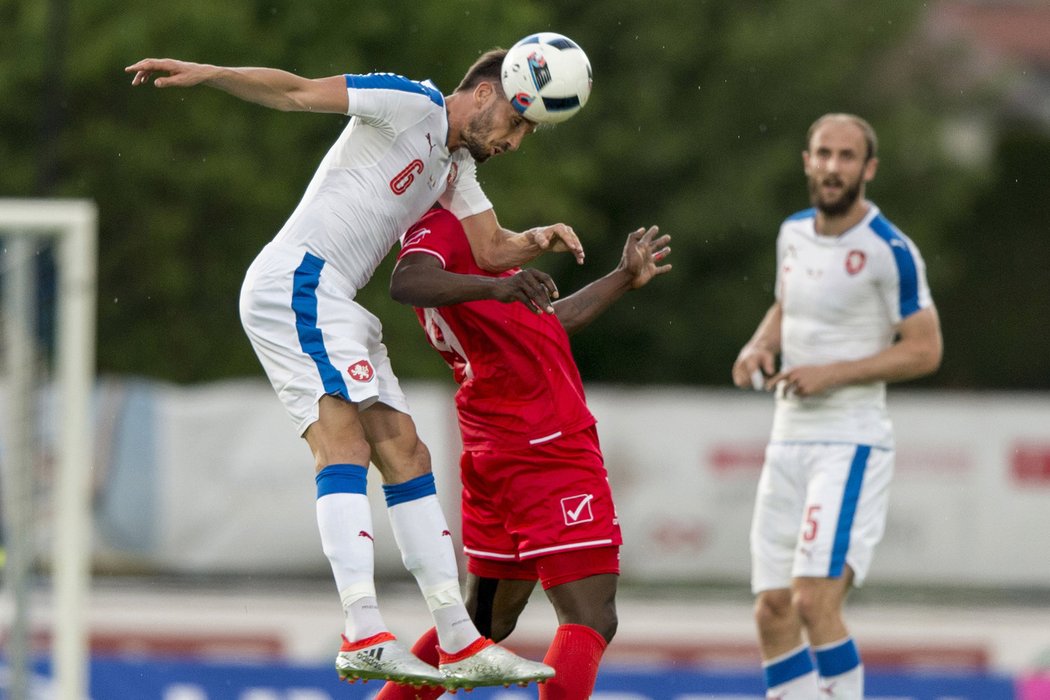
(439, 234)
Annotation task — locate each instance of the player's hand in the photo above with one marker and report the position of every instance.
(558, 238)
(531, 287)
(755, 369)
(809, 380)
(178, 73)
(642, 253)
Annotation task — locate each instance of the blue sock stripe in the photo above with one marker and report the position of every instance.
(342, 478)
(838, 659)
(413, 489)
(788, 669)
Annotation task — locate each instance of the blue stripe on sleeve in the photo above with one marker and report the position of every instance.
(906, 269)
(411, 490)
(392, 81)
(850, 497)
(804, 214)
(788, 669)
(838, 659)
(304, 304)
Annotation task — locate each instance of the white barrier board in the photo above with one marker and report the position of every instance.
(212, 479)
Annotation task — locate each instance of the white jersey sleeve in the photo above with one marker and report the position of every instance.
(380, 99)
(464, 196)
(902, 282)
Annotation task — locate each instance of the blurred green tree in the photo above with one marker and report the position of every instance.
(696, 123)
(998, 310)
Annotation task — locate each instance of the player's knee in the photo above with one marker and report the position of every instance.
(810, 605)
(606, 622)
(773, 609)
(602, 618)
(578, 603)
(582, 587)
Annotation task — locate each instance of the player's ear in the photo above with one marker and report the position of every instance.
(870, 168)
(483, 92)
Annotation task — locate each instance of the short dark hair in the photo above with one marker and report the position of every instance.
(486, 69)
(870, 138)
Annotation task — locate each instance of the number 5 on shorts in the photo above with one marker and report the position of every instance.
(809, 531)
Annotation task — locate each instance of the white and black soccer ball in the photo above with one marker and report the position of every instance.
(547, 77)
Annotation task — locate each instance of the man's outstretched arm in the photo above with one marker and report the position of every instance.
(269, 87)
(419, 280)
(642, 253)
(497, 249)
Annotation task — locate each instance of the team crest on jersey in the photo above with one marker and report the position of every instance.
(855, 261)
(577, 509)
(361, 371)
(453, 173)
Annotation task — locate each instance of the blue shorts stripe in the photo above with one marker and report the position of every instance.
(411, 490)
(837, 660)
(850, 497)
(788, 669)
(342, 478)
(304, 304)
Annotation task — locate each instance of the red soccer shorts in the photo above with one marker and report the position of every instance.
(549, 499)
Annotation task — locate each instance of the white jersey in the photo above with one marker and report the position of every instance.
(389, 166)
(842, 298)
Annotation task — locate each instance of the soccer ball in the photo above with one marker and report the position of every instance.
(547, 77)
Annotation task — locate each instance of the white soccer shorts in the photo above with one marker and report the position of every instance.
(819, 507)
(312, 338)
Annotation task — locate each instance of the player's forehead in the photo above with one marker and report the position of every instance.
(838, 134)
(513, 119)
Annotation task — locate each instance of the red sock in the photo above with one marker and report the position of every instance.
(426, 648)
(574, 655)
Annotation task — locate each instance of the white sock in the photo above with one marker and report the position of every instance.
(362, 618)
(425, 541)
(345, 523)
(841, 671)
(845, 686)
(791, 676)
(804, 687)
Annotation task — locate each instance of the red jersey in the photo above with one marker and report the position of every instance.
(518, 382)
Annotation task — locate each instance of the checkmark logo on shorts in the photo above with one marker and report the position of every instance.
(577, 509)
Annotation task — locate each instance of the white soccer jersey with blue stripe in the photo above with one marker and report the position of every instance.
(384, 171)
(842, 297)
